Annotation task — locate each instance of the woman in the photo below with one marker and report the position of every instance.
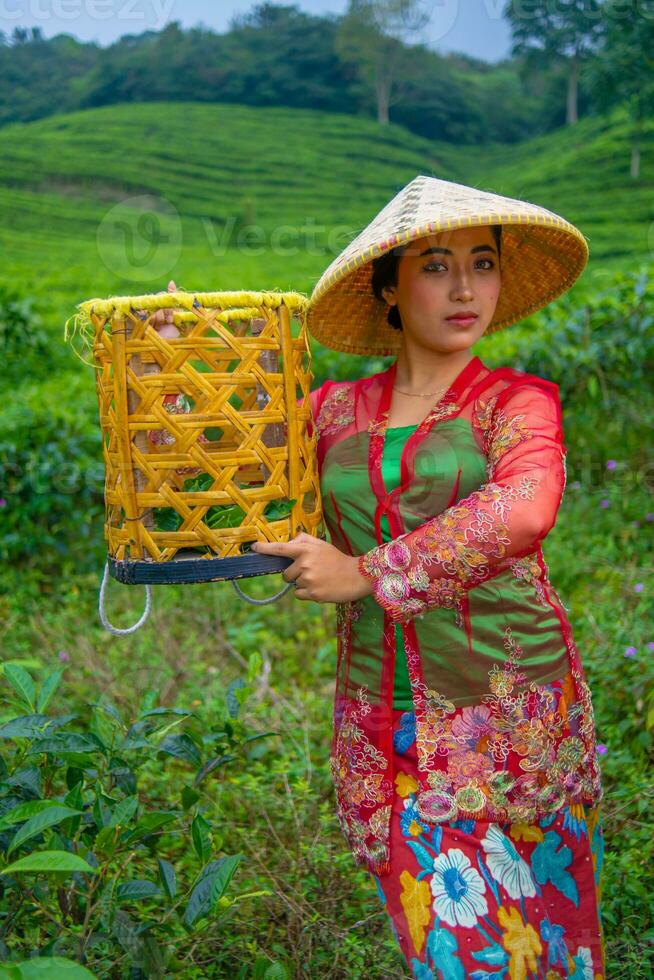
(463, 754)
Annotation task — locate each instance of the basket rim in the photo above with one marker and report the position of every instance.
(218, 299)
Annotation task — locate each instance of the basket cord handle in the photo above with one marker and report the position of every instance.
(103, 616)
(148, 603)
(263, 602)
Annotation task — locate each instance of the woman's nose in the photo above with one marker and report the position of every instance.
(461, 290)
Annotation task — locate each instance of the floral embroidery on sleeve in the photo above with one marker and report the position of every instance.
(528, 570)
(501, 432)
(337, 409)
(475, 539)
(464, 542)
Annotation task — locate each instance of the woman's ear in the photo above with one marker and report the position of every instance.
(388, 292)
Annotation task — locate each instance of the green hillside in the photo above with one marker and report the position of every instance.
(205, 168)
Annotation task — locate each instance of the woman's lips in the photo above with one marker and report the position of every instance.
(462, 321)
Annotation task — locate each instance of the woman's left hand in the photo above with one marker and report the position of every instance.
(321, 571)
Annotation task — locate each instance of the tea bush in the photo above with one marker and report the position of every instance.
(86, 835)
(51, 476)
(25, 346)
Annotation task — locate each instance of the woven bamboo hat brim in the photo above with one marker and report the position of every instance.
(541, 257)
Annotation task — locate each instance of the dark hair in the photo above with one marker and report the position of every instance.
(384, 273)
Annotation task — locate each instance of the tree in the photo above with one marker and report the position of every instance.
(545, 33)
(266, 15)
(27, 35)
(624, 73)
(372, 35)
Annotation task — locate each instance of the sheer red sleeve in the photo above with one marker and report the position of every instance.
(315, 397)
(507, 517)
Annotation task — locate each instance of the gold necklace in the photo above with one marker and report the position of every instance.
(428, 394)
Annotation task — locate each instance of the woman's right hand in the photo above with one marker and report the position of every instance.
(162, 320)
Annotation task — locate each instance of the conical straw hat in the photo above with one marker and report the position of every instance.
(542, 256)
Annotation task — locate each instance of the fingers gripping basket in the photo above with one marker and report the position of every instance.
(204, 427)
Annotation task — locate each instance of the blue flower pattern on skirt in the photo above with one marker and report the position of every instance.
(485, 900)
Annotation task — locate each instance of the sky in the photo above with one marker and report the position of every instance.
(473, 27)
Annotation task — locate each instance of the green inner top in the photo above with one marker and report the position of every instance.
(394, 442)
(454, 662)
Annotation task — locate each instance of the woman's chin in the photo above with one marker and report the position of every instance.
(448, 344)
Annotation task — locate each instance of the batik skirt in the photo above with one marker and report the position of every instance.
(480, 899)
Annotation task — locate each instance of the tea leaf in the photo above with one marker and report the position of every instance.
(46, 968)
(134, 891)
(167, 876)
(22, 683)
(167, 519)
(201, 836)
(49, 861)
(24, 811)
(48, 688)
(182, 747)
(276, 509)
(40, 822)
(224, 876)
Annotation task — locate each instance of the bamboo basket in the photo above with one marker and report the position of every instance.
(205, 437)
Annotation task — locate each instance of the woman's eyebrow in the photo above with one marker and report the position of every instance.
(448, 251)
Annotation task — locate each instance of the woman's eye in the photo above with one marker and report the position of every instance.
(433, 265)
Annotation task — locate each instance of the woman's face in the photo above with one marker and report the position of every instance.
(442, 274)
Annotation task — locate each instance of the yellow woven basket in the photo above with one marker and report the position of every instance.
(204, 427)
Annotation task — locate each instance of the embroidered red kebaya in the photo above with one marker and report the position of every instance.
(503, 714)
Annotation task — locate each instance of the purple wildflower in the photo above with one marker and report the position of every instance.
(639, 586)
(63, 656)
(611, 464)
(630, 652)
(601, 748)
(605, 502)
(3, 502)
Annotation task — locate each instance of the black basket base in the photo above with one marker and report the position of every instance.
(194, 569)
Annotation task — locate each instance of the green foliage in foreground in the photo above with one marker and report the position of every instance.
(86, 834)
